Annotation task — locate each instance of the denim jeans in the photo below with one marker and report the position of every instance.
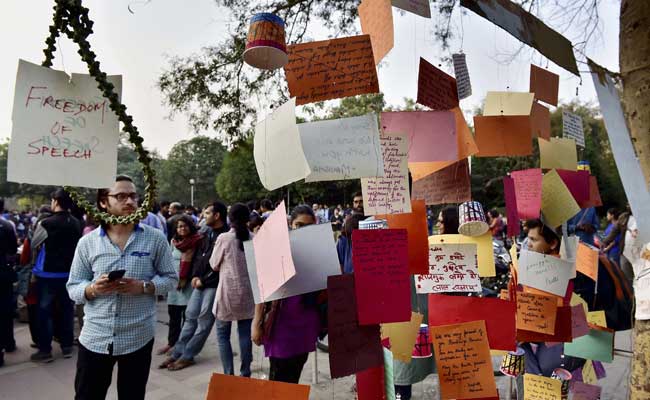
(198, 324)
(51, 291)
(245, 346)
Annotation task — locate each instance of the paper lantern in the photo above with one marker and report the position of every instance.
(563, 376)
(422, 348)
(513, 363)
(265, 45)
(471, 218)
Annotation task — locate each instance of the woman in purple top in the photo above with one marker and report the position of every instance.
(295, 324)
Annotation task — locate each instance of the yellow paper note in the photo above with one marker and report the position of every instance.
(558, 205)
(589, 373)
(402, 336)
(541, 388)
(560, 153)
(513, 257)
(485, 253)
(597, 318)
(508, 103)
(575, 300)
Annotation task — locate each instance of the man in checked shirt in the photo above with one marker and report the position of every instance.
(119, 320)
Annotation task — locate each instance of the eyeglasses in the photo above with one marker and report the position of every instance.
(122, 197)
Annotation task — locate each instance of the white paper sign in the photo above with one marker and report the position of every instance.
(279, 158)
(390, 194)
(463, 83)
(314, 255)
(572, 128)
(419, 7)
(627, 163)
(346, 148)
(64, 132)
(545, 272)
(452, 268)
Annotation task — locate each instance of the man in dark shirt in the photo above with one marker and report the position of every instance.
(198, 316)
(8, 247)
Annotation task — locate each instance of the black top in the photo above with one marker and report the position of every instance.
(201, 260)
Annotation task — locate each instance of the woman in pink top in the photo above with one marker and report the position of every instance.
(234, 299)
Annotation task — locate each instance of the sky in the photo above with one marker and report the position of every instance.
(138, 45)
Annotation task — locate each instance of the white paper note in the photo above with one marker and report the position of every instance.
(64, 132)
(545, 272)
(572, 128)
(508, 103)
(463, 83)
(452, 268)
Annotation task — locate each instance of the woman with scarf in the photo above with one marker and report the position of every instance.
(183, 244)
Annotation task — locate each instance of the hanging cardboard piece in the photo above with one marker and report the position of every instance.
(390, 194)
(501, 104)
(578, 183)
(416, 225)
(352, 348)
(452, 268)
(528, 192)
(418, 7)
(503, 136)
(540, 121)
(331, 69)
(436, 89)
(381, 275)
(547, 273)
(345, 148)
(536, 313)
(597, 345)
(229, 387)
(563, 329)
(511, 206)
(63, 131)
(462, 76)
(544, 84)
(450, 185)
(499, 316)
(277, 148)
(538, 387)
(558, 153)
(377, 21)
(587, 261)
(484, 248)
(527, 28)
(558, 205)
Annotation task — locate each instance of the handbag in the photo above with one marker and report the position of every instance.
(271, 310)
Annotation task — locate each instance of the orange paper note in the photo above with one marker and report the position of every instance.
(587, 261)
(436, 89)
(503, 136)
(540, 121)
(544, 84)
(377, 21)
(228, 387)
(331, 69)
(463, 359)
(536, 313)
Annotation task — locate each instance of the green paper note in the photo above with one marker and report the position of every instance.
(597, 345)
(388, 375)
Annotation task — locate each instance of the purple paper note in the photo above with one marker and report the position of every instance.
(583, 391)
(579, 325)
(599, 369)
(432, 134)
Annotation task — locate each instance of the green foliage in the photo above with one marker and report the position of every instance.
(238, 180)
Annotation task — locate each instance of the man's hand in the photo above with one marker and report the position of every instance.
(196, 283)
(103, 286)
(130, 286)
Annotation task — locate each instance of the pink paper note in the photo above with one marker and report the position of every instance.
(577, 182)
(432, 134)
(583, 391)
(579, 326)
(528, 192)
(511, 206)
(274, 263)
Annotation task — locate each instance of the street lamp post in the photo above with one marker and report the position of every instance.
(192, 191)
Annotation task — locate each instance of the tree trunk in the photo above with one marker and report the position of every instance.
(634, 59)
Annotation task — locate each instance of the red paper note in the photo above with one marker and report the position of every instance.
(528, 192)
(577, 182)
(371, 384)
(352, 348)
(228, 387)
(540, 121)
(594, 195)
(436, 89)
(381, 275)
(503, 136)
(511, 206)
(499, 316)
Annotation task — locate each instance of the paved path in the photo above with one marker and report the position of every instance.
(21, 379)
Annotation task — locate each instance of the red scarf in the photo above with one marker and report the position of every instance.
(187, 247)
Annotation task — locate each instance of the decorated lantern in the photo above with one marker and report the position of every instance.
(471, 218)
(422, 346)
(265, 45)
(513, 363)
(563, 376)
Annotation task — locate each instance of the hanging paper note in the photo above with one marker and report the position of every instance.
(528, 191)
(484, 248)
(432, 134)
(587, 261)
(389, 378)
(559, 153)
(577, 182)
(599, 369)
(579, 325)
(499, 316)
(536, 313)
(436, 89)
(547, 273)
(558, 206)
(544, 84)
(381, 272)
(463, 360)
(462, 76)
(499, 104)
(450, 185)
(577, 300)
(583, 391)
(538, 387)
(597, 345)
(563, 330)
(597, 318)
(572, 128)
(511, 206)
(277, 149)
(588, 373)
(503, 136)
(272, 249)
(466, 148)
(416, 225)
(540, 121)
(390, 194)
(594, 195)
(229, 387)
(418, 7)
(352, 348)
(452, 268)
(63, 131)
(527, 28)
(377, 21)
(402, 336)
(331, 69)
(371, 384)
(345, 148)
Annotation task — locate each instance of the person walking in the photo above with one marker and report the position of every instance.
(55, 240)
(120, 314)
(612, 240)
(198, 315)
(8, 247)
(234, 299)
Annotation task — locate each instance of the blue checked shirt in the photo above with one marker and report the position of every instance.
(125, 321)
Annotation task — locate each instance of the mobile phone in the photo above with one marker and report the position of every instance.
(115, 275)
